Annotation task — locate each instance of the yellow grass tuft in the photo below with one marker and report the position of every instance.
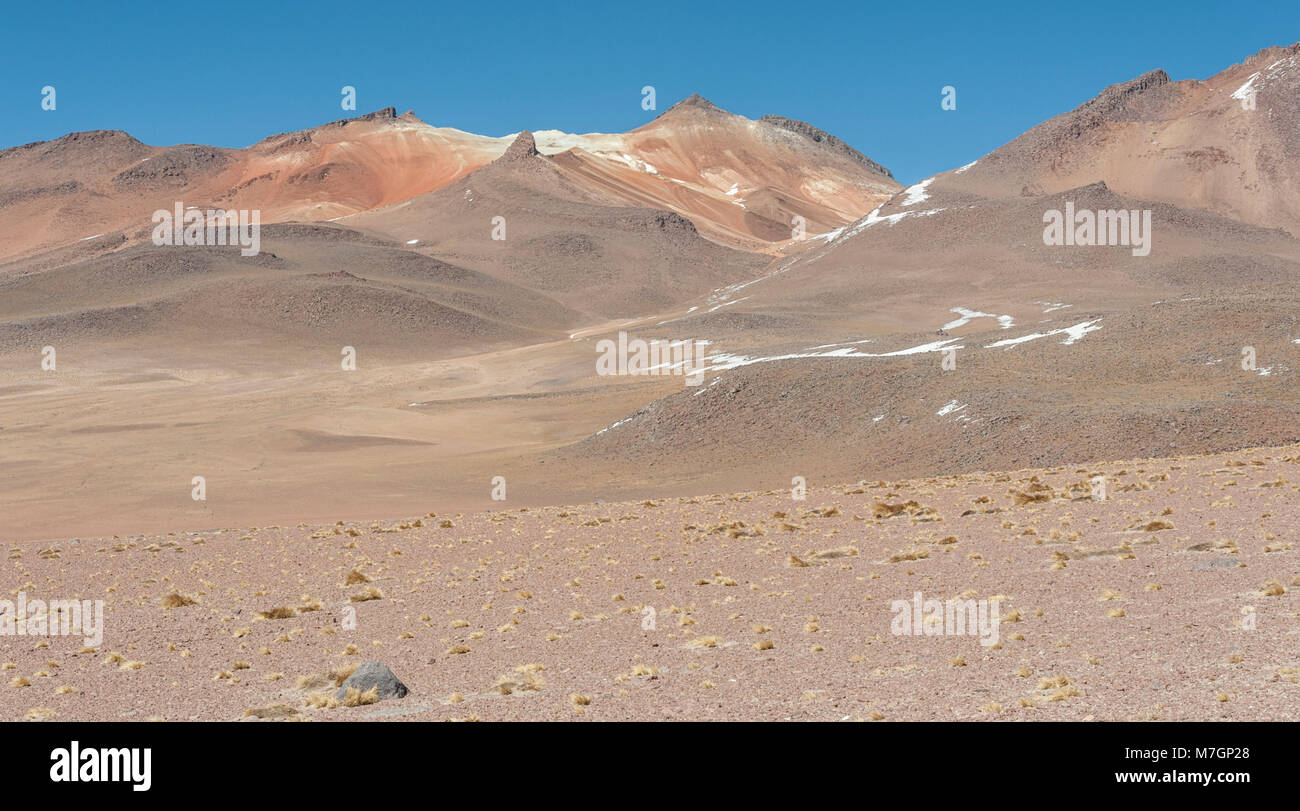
(356, 698)
(705, 642)
(314, 681)
(911, 554)
(884, 510)
(270, 711)
(177, 600)
(340, 674)
(321, 700)
(524, 679)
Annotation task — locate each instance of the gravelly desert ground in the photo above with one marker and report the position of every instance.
(383, 352)
(764, 607)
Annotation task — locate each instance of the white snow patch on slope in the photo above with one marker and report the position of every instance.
(727, 304)
(1006, 321)
(951, 408)
(724, 361)
(1243, 92)
(615, 425)
(633, 162)
(964, 168)
(712, 383)
(1077, 331)
(916, 193)
(1072, 334)
(871, 219)
(850, 343)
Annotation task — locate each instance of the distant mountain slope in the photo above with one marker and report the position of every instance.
(741, 182)
(562, 239)
(1229, 144)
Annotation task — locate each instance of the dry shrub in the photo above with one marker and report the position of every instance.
(340, 673)
(177, 600)
(356, 698)
(270, 711)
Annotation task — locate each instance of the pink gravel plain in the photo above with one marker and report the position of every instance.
(474, 602)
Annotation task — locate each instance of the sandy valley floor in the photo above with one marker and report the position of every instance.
(744, 606)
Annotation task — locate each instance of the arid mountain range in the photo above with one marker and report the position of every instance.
(856, 329)
(739, 180)
(434, 417)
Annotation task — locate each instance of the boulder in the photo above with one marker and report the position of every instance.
(374, 674)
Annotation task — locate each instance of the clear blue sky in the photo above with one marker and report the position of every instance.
(232, 73)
